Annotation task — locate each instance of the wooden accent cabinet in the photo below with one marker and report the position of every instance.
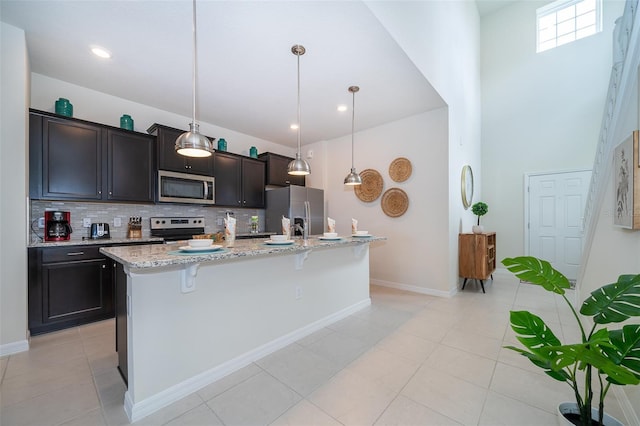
(476, 256)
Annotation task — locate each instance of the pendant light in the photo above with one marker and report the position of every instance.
(353, 178)
(192, 143)
(298, 167)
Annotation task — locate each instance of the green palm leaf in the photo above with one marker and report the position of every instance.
(625, 350)
(614, 302)
(544, 363)
(564, 356)
(538, 272)
(532, 331)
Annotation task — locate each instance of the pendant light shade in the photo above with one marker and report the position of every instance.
(298, 167)
(353, 178)
(192, 143)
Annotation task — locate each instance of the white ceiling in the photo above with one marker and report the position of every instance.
(247, 73)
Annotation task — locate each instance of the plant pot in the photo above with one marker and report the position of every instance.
(477, 229)
(571, 408)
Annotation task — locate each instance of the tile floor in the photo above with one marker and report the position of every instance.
(409, 359)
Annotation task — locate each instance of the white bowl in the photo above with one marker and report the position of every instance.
(278, 237)
(362, 232)
(200, 243)
(330, 234)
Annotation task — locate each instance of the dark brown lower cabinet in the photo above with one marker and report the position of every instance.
(68, 286)
(74, 285)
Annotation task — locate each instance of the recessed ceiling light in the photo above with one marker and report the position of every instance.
(294, 126)
(342, 108)
(100, 52)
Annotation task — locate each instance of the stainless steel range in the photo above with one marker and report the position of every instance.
(176, 228)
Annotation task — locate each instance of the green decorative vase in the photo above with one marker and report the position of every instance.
(64, 107)
(126, 122)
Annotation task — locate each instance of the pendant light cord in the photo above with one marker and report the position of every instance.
(195, 63)
(299, 154)
(353, 120)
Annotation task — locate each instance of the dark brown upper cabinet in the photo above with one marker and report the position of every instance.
(277, 170)
(72, 159)
(169, 159)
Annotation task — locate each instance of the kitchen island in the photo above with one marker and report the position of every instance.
(185, 320)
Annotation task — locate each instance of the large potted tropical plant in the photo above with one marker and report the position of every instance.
(606, 357)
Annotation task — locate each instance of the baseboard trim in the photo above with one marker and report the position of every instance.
(414, 288)
(630, 413)
(137, 411)
(14, 347)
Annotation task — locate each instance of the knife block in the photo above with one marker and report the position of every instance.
(134, 231)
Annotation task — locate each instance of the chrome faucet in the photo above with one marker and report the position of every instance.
(306, 223)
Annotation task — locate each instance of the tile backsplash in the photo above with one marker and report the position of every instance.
(107, 212)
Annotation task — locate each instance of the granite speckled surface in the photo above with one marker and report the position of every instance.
(92, 242)
(157, 255)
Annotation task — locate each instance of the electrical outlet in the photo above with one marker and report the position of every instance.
(41, 223)
(220, 221)
(117, 221)
(298, 292)
(86, 222)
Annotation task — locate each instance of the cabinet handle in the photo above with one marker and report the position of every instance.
(75, 253)
(104, 266)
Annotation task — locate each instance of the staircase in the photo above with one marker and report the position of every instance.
(624, 75)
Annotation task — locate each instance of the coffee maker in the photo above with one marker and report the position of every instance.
(56, 225)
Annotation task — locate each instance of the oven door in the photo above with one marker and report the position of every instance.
(185, 188)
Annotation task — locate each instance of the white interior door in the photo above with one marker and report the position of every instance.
(556, 209)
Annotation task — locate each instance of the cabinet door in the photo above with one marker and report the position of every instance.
(228, 179)
(71, 160)
(76, 291)
(169, 159)
(130, 170)
(277, 171)
(253, 178)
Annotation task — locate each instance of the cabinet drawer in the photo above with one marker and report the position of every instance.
(70, 254)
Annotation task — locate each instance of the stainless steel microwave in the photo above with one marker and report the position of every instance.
(185, 188)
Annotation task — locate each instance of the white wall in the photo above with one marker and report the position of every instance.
(443, 39)
(541, 112)
(13, 187)
(101, 108)
(412, 257)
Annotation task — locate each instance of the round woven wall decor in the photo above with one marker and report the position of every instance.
(395, 202)
(371, 187)
(400, 169)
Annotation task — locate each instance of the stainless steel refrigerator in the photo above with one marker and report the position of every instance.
(289, 202)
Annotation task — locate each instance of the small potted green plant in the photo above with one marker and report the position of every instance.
(606, 357)
(479, 209)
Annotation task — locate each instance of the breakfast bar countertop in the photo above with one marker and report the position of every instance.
(164, 255)
(95, 242)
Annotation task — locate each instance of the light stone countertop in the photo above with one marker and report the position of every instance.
(94, 242)
(158, 255)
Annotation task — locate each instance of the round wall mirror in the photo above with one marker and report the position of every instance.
(467, 186)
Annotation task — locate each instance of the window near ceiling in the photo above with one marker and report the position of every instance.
(564, 21)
